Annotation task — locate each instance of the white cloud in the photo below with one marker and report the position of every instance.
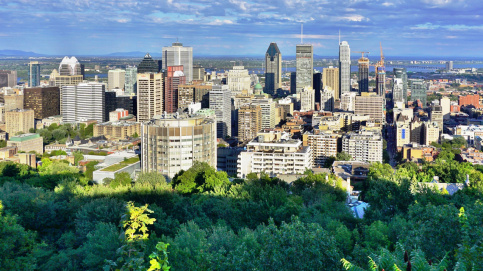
(220, 22)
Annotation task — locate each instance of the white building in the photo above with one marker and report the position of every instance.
(86, 101)
(445, 103)
(348, 101)
(344, 68)
(323, 146)
(327, 97)
(239, 80)
(274, 153)
(220, 102)
(116, 79)
(307, 99)
(365, 146)
(69, 66)
(177, 55)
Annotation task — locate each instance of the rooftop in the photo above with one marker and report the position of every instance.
(24, 137)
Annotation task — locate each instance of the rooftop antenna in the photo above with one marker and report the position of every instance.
(302, 33)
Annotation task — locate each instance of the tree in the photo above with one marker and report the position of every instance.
(200, 177)
(343, 156)
(121, 179)
(78, 156)
(154, 179)
(3, 143)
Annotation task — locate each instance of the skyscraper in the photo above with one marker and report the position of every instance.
(344, 67)
(381, 82)
(130, 81)
(70, 66)
(304, 55)
(177, 55)
(8, 78)
(307, 99)
(398, 91)
(45, 101)
(220, 101)
(149, 96)
(402, 74)
(370, 104)
(273, 72)
(116, 79)
(327, 99)
(148, 65)
(418, 91)
(363, 74)
(34, 74)
(174, 78)
(249, 122)
(330, 78)
(86, 101)
(238, 80)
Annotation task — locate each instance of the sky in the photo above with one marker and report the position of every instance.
(438, 28)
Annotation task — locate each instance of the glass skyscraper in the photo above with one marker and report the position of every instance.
(273, 72)
(344, 67)
(148, 65)
(305, 67)
(401, 73)
(130, 81)
(34, 74)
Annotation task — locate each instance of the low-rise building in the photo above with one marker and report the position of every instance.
(117, 129)
(418, 153)
(27, 143)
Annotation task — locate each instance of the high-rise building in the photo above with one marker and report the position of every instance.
(348, 101)
(323, 146)
(34, 74)
(445, 103)
(344, 67)
(449, 65)
(249, 122)
(418, 91)
(370, 104)
(13, 101)
(45, 101)
(174, 78)
(171, 143)
(401, 73)
(364, 146)
(198, 73)
(437, 116)
(363, 74)
(307, 99)
(147, 65)
(19, 121)
(304, 55)
(293, 82)
(268, 111)
(70, 66)
(238, 80)
(57, 80)
(8, 78)
(114, 101)
(430, 132)
(381, 83)
(130, 81)
(116, 79)
(330, 78)
(398, 92)
(317, 86)
(86, 101)
(177, 55)
(327, 99)
(273, 72)
(149, 95)
(220, 102)
(186, 95)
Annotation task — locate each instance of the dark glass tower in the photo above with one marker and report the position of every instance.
(34, 74)
(363, 74)
(273, 72)
(148, 65)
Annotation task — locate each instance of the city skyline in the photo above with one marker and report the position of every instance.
(405, 28)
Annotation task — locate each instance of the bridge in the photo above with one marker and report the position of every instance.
(415, 67)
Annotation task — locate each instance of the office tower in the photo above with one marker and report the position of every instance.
(273, 66)
(268, 111)
(57, 80)
(364, 146)
(381, 83)
(249, 122)
(220, 102)
(238, 80)
(8, 78)
(19, 121)
(45, 101)
(418, 91)
(83, 102)
(34, 74)
(317, 86)
(307, 99)
(430, 132)
(69, 66)
(27, 143)
(363, 74)
(274, 153)
(177, 55)
(323, 146)
(330, 78)
(304, 55)
(401, 73)
(116, 79)
(344, 67)
(147, 65)
(327, 99)
(149, 96)
(174, 78)
(186, 95)
(114, 101)
(445, 103)
(198, 73)
(348, 101)
(160, 65)
(437, 116)
(130, 81)
(449, 65)
(293, 82)
(370, 104)
(398, 92)
(171, 143)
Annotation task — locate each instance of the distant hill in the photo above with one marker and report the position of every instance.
(18, 53)
(134, 54)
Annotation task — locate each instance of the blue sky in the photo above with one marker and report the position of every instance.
(238, 27)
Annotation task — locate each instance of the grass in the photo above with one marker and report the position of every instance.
(122, 164)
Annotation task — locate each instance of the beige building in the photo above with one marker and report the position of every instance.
(174, 142)
(330, 78)
(430, 132)
(185, 96)
(437, 116)
(57, 80)
(268, 111)
(416, 127)
(348, 101)
(19, 121)
(370, 104)
(13, 101)
(116, 79)
(118, 129)
(364, 146)
(27, 143)
(238, 80)
(249, 122)
(307, 99)
(323, 145)
(149, 95)
(287, 105)
(242, 99)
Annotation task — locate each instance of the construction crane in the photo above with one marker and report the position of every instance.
(380, 64)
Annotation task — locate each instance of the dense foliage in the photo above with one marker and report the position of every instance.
(53, 219)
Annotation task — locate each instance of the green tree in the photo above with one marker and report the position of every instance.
(200, 177)
(343, 156)
(121, 179)
(3, 143)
